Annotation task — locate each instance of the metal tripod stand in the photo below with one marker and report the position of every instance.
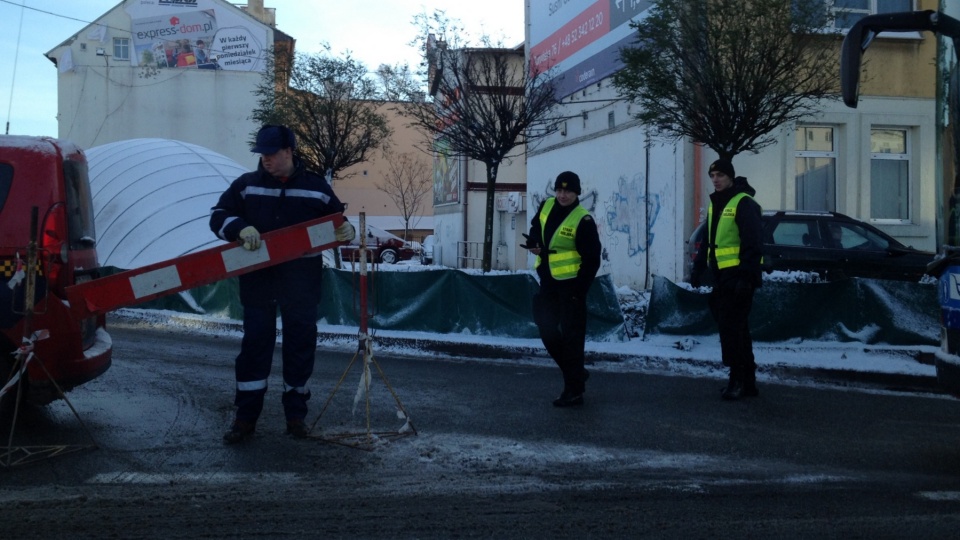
(11, 455)
(368, 438)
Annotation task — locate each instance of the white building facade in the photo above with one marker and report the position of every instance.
(648, 195)
(185, 70)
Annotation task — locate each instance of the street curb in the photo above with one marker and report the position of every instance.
(900, 382)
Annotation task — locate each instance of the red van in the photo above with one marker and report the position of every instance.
(49, 175)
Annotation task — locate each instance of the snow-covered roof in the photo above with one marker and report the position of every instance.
(152, 199)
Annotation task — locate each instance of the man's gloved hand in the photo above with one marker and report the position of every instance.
(531, 243)
(345, 232)
(250, 238)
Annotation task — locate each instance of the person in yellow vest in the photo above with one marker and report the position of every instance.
(733, 252)
(565, 240)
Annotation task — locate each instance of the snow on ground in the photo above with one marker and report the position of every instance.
(692, 355)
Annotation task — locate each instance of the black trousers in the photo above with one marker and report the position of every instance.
(256, 357)
(563, 330)
(731, 310)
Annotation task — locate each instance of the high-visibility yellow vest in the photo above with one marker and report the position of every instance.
(726, 247)
(565, 263)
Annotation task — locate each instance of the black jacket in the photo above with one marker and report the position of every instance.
(588, 246)
(267, 203)
(750, 227)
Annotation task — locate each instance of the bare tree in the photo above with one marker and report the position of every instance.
(398, 83)
(330, 103)
(485, 103)
(407, 182)
(726, 73)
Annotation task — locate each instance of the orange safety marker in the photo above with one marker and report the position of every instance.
(201, 268)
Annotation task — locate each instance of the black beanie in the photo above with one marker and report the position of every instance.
(724, 166)
(568, 181)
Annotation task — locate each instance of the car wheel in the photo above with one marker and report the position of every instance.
(388, 256)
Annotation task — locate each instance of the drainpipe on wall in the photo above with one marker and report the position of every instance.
(697, 182)
(646, 212)
(463, 194)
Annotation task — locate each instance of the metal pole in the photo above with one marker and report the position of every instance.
(363, 273)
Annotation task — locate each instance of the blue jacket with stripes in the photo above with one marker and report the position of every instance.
(267, 203)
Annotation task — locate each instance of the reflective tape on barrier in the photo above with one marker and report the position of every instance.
(201, 268)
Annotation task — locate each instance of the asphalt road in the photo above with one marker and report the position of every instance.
(647, 456)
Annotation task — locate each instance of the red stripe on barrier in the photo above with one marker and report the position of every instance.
(201, 268)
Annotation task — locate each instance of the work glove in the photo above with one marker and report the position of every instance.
(531, 243)
(250, 238)
(345, 232)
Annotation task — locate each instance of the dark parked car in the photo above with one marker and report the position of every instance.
(833, 245)
(381, 245)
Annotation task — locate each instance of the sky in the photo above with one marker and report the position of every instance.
(375, 33)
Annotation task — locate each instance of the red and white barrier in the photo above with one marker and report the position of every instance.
(201, 268)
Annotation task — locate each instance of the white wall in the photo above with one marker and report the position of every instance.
(647, 197)
(772, 172)
(634, 187)
(103, 99)
(646, 215)
(511, 221)
(466, 220)
(447, 230)
(99, 105)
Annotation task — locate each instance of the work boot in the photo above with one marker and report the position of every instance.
(239, 432)
(569, 399)
(733, 390)
(297, 429)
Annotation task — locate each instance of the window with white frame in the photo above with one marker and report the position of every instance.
(816, 168)
(847, 12)
(889, 175)
(121, 48)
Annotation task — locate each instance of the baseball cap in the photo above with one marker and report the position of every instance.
(272, 139)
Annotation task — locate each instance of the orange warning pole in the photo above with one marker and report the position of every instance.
(363, 274)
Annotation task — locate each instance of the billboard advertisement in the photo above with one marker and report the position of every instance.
(446, 174)
(578, 42)
(195, 34)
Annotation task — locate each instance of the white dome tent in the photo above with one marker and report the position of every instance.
(152, 199)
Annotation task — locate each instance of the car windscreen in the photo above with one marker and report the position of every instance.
(6, 180)
(799, 233)
(854, 236)
(79, 204)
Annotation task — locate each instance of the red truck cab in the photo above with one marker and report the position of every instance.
(50, 175)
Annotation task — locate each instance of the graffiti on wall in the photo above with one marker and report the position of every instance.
(633, 212)
(630, 212)
(588, 200)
